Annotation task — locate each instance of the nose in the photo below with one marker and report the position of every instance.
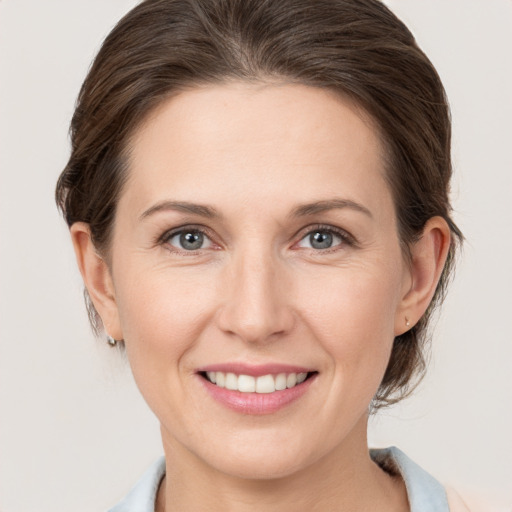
(256, 308)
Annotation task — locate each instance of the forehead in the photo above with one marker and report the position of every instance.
(244, 142)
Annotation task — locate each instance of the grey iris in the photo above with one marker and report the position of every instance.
(191, 240)
(320, 240)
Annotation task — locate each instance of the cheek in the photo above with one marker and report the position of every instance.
(162, 314)
(353, 316)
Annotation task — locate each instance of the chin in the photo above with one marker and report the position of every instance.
(254, 460)
(258, 469)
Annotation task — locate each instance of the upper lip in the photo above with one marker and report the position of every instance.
(255, 370)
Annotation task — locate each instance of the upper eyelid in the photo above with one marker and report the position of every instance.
(344, 234)
(168, 234)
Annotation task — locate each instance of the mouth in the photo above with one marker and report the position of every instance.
(256, 390)
(262, 384)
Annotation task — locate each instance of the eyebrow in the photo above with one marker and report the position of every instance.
(181, 206)
(330, 204)
(300, 211)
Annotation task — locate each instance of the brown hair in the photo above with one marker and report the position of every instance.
(355, 47)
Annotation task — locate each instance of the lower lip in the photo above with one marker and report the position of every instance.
(256, 403)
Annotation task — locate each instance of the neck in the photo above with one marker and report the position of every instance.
(345, 479)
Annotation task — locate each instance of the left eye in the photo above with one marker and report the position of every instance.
(321, 239)
(189, 240)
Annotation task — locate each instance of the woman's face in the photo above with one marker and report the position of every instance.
(256, 237)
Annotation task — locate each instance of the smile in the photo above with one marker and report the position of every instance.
(256, 389)
(249, 384)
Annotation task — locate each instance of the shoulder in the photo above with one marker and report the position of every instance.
(471, 503)
(455, 501)
(424, 492)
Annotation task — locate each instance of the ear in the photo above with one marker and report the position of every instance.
(97, 278)
(428, 256)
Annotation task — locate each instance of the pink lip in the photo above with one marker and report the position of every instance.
(254, 370)
(256, 403)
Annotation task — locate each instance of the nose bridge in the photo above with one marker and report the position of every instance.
(256, 307)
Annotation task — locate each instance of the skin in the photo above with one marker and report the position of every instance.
(258, 292)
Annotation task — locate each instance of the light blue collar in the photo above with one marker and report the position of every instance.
(424, 492)
(143, 496)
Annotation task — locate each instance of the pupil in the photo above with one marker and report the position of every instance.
(191, 240)
(321, 240)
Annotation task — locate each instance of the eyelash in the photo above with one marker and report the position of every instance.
(346, 238)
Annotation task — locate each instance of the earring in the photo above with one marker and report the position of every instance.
(407, 323)
(111, 341)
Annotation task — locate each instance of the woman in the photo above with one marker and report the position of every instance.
(258, 200)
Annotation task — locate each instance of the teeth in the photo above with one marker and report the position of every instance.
(265, 384)
(291, 380)
(231, 381)
(262, 384)
(246, 384)
(220, 379)
(301, 377)
(281, 381)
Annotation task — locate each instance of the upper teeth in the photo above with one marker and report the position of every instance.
(250, 384)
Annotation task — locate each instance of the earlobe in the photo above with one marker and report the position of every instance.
(97, 278)
(428, 256)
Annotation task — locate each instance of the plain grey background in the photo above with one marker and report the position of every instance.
(74, 433)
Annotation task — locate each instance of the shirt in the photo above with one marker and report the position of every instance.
(424, 492)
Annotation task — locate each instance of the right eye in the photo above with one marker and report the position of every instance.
(188, 240)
